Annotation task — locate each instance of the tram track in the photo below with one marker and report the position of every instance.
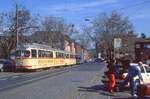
(20, 80)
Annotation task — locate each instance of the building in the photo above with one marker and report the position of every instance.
(142, 50)
(85, 55)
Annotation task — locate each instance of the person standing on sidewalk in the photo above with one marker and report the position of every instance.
(134, 71)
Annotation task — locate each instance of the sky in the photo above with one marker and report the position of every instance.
(76, 11)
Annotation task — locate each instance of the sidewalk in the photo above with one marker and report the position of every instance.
(96, 90)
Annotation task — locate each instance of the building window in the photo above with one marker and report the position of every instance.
(138, 46)
(147, 46)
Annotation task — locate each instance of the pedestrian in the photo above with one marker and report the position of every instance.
(133, 71)
(111, 77)
(118, 69)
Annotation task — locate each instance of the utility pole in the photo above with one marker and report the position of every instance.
(17, 23)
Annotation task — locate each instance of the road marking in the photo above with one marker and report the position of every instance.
(3, 78)
(13, 77)
(31, 80)
(58, 72)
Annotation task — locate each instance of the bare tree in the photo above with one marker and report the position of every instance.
(84, 38)
(106, 28)
(53, 31)
(9, 27)
(143, 35)
(54, 24)
(1, 22)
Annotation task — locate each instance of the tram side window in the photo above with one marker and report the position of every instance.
(62, 55)
(73, 56)
(67, 55)
(22, 53)
(34, 53)
(43, 53)
(26, 53)
(70, 56)
(40, 53)
(50, 54)
(57, 55)
(46, 54)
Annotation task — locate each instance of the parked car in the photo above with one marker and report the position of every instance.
(7, 65)
(145, 71)
(98, 60)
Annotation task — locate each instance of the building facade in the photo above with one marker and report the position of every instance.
(142, 50)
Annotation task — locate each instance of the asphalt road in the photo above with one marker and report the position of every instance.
(77, 82)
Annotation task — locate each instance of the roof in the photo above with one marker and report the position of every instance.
(136, 64)
(142, 40)
(36, 45)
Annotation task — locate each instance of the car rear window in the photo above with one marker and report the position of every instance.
(142, 70)
(147, 69)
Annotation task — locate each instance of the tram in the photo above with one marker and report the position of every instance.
(37, 56)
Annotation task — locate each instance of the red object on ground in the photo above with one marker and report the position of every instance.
(143, 90)
(112, 82)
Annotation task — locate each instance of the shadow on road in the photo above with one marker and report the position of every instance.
(94, 88)
(101, 89)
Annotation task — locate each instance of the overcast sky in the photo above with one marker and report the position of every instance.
(75, 11)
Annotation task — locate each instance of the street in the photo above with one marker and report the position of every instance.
(77, 82)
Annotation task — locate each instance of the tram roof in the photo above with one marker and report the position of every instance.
(38, 46)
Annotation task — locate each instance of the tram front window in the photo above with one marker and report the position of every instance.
(23, 53)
